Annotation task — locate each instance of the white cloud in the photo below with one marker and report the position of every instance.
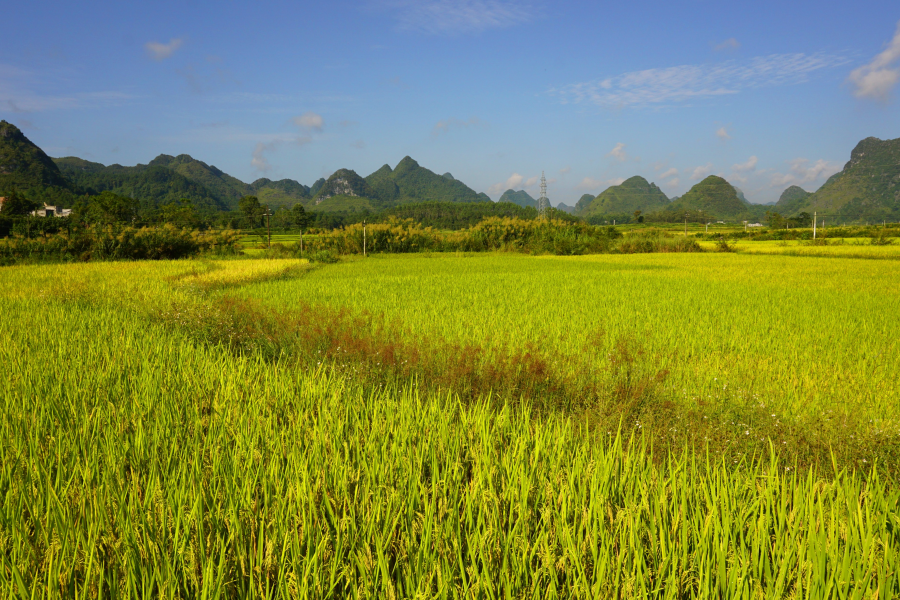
(310, 121)
(445, 125)
(723, 134)
(589, 183)
(515, 181)
(685, 83)
(669, 173)
(803, 172)
(259, 161)
(701, 171)
(531, 181)
(160, 51)
(876, 79)
(459, 16)
(565, 170)
(750, 165)
(618, 152)
(729, 44)
(672, 183)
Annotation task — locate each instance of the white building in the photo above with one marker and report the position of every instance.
(51, 211)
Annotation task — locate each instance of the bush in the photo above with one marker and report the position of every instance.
(128, 243)
(640, 244)
(323, 256)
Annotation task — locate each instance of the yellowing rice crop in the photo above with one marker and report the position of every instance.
(145, 453)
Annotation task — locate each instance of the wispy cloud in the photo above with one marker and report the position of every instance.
(565, 171)
(701, 171)
(876, 79)
(160, 51)
(259, 160)
(729, 44)
(686, 83)
(309, 121)
(515, 181)
(445, 125)
(205, 78)
(723, 134)
(670, 173)
(447, 17)
(618, 152)
(589, 183)
(18, 93)
(744, 167)
(801, 172)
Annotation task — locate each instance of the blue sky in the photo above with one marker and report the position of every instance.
(766, 94)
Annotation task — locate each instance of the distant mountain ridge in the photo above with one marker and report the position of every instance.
(168, 179)
(866, 189)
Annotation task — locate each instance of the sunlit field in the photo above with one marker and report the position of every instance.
(843, 248)
(661, 425)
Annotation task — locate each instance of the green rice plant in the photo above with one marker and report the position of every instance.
(142, 453)
(137, 463)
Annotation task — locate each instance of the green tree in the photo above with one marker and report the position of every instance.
(181, 213)
(17, 205)
(251, 209)
(300, 217)
(106, 208)
(775, 220)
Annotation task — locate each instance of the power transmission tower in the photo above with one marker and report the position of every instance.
(543, 202)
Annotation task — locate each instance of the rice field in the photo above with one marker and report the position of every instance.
(830, 248)
(168, 430)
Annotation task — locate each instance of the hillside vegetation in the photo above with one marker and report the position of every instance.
(25, 167)
(635, 193)
(714, 196)
(410, 182)
(868, 187)
(519, 198)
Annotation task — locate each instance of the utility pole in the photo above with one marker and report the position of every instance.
(301, 243)
(815, 218)
(364, 238)
(745, 225)
(268, 229)
(685, 224)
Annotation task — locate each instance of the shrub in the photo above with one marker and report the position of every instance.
(108, 243)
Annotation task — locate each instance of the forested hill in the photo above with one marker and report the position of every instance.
(169, 179)
(714, 197)
(521, 198)
(152, 186)
(26, 168)
(791, 200)
(866, 189)
(632, 194)
(410, 182)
